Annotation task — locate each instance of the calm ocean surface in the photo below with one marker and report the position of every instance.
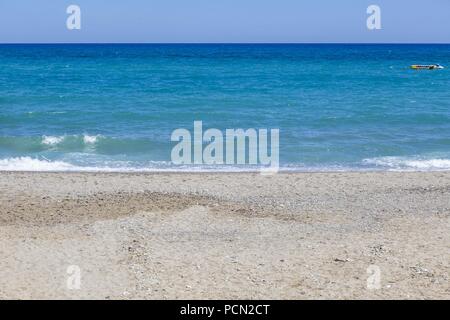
(114, 107)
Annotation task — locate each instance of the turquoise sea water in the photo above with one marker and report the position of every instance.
(114, 107)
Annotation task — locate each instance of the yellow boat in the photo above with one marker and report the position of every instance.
(426, 66)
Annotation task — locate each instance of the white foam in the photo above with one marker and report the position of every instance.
(90, 139)
(405, 163)
(30, 164)
(54, 140)
(50, 140)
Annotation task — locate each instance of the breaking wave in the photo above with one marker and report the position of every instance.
(29, 164)
(54, 140)
(409, 163)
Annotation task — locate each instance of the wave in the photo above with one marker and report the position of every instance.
(64, 143)
(93, 163)
(90, 139)
(28, 164)
(409, 163)
(52, 140)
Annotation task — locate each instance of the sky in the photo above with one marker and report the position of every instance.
(225, 21)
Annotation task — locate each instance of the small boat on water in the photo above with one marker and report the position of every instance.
(426, 66)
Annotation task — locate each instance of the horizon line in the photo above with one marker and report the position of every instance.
(225, 43)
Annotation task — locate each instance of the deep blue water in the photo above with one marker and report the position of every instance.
(338, 107)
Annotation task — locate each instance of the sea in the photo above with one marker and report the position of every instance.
(113, 107)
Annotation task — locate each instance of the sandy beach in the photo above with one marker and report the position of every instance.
(224, 236)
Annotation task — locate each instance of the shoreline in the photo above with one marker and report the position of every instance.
(212, 172)
(209, 235)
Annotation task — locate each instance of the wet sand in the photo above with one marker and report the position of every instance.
(225, 236)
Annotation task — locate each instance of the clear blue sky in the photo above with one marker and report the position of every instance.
(225, 21)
